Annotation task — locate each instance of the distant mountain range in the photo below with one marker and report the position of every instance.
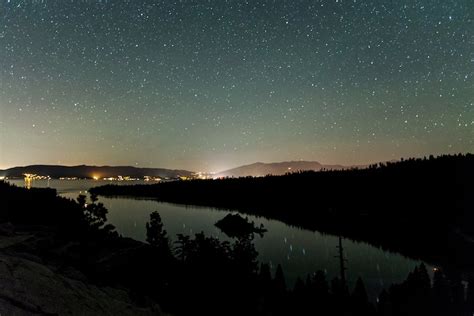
(83, 171)
(276, 168)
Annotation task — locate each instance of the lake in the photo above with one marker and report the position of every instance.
(299, 251)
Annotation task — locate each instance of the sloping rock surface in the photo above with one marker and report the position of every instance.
(29, 287)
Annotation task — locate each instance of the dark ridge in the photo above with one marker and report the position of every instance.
(276, 168)
(83, 171)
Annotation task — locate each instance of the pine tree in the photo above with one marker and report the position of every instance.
(155, 234)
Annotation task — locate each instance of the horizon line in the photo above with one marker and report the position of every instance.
(238, 166)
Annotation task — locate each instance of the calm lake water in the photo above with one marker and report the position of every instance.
(299, 251)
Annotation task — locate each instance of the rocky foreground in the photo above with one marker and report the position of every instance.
(35, 285)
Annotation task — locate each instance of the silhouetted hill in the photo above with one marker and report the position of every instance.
(276, 168)
(83, 171)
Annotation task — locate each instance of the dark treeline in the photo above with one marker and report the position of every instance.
(199, 275)
(420, 207)
(227, 276)
(77, 220)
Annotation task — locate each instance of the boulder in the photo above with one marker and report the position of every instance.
(28, 288)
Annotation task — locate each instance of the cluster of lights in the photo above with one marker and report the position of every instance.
(31, 176)
(118, 178)
(203, 175)
(96, 177)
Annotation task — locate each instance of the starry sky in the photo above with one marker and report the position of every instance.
(212, 84)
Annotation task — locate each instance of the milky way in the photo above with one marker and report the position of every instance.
(206, 85)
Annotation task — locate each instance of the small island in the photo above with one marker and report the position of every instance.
(234, 225)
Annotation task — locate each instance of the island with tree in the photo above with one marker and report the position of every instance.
(234, 225)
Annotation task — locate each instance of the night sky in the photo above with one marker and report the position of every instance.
(212, 84)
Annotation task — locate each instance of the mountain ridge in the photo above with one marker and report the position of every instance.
(88, 171)
(276, 168)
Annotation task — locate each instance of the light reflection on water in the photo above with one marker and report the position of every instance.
(298, 251)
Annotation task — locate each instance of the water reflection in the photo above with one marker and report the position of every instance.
(300, 252)
(28, 182)
(29, 179)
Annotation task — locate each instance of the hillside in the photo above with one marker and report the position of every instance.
(84, 171)
(276, 168)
